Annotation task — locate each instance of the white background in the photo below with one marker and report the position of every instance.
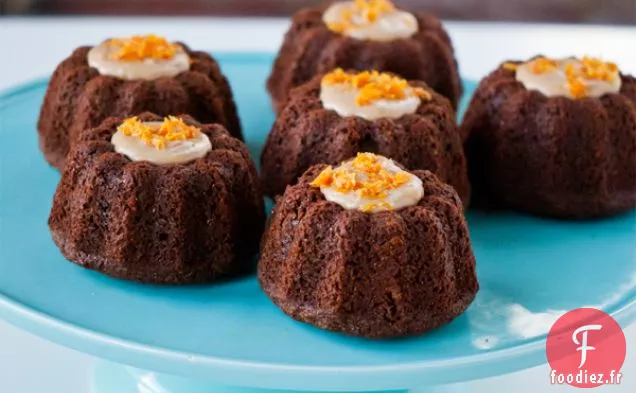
(31, 48)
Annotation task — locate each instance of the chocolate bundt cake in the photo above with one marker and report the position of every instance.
(369, 250)
(124, 77)
(554, 138)
(159, 202)
(333, 117)
(365, 35)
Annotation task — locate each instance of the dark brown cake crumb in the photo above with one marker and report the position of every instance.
(79, 98)
(176, 223)
(551, 156)
(379, 275)
(311, 48)
(305, 134)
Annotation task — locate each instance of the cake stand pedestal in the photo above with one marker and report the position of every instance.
(116, 378)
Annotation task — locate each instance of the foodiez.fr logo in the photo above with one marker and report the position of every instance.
(586, 348)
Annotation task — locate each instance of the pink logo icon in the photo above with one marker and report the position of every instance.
(586, 348)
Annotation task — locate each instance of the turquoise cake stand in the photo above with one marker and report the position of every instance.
(229, 338)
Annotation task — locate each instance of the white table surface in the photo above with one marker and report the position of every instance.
(32, 47)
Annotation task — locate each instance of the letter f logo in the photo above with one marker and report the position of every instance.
(583, 344)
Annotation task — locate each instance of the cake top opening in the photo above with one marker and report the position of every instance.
(359, 13)
(147, 57)
(159, 134)
(170, 141)
(377, 20)
(542, 65)
(142, 47)
(372, 86)
(571, 77)
(365, 175)
(369, 183)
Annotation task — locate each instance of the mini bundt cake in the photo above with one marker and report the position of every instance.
(554, 137)
(127, 76)
(159, 201)
(365, 35)
(368, 249)
(335, 116)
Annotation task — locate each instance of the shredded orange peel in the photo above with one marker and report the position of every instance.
(590, 69)
(142, 47)
(366, 176)
(373, 206)
(373, 86)
(510, 66)
(171, 129)
(361, 13)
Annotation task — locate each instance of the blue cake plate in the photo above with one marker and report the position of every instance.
(531, 271)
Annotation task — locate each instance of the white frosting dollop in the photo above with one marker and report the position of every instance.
(388, 26)
(175, 152)
(342, 99)
(99, 57)
(407, 194)
(555, 83)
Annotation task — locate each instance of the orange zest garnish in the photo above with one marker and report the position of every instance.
(597, 69)
(374, 86)
(542, 65)
(590, 69)
(578, 73)
(576, 85)
(171, 129)
(510, 66)
(365, 175)
(369, 207)
(361, 13)
(142, 47)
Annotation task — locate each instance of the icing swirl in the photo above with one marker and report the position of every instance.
(168, 142)
(570, 77)
(139, 57)
(370, 94)
(369, 183)
(376, 20)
